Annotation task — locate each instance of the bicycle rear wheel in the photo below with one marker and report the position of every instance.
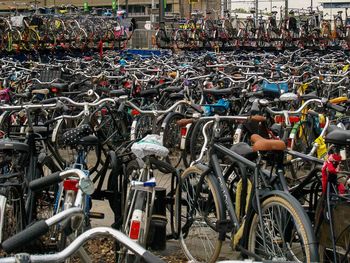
(11, 213)
(199, 216)
(341, 229)
(287, 230)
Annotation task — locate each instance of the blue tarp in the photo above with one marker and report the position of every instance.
(148, 52)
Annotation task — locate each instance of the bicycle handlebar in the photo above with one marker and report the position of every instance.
(80, 240)
(37, 230)
(28, 107)
(158, 112)
(43, 82)
(54, 178)
(272, 112)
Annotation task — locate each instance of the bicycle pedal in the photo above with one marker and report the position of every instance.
(96, 215)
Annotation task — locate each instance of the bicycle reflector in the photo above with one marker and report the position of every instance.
(71, 184)
(183, 131)
(54, 90)
(134, 112)
(135, 225)
(292, 119)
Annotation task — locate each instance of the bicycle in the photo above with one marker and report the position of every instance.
(211, 192)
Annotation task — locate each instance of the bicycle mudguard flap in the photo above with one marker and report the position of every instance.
(274, 89)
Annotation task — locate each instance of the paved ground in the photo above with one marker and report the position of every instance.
(173, 252)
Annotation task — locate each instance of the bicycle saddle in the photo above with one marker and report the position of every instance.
(172, 89)
(309, 96)
(151, 145)
(338, 137)
(13, 145)
(289, 96)
(257, 118)
(73, 136)
(244, 150)
(59, 85)
(218, 92)
(148, 93)
(176, 96)
(90, 140)
(117, 93)
(184, 122)
(40, 91)
(262, 144)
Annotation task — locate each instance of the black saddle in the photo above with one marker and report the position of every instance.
(118, 93)
(149, 93)
(74, 136)
(309, 96)
(338, 137)
(244, 150)
(218, 92)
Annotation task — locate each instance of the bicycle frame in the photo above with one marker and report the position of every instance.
(268, 179)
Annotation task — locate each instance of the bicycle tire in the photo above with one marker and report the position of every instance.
(171, 137)
(164, 179)
(12, 211)
(341, 228)
(67, 154)
(195, 252)
(297, 216)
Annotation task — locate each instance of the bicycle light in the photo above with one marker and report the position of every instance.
(86, 185)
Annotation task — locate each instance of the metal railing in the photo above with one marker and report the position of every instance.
(142, 39)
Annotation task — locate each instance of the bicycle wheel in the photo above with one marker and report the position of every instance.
(172, 138)
(166, 179)
(287, 230)
(113, 129)
(198, 238)
(68, 154)
(197, 137)
(341, 228)
(141, 126)
(11, 213)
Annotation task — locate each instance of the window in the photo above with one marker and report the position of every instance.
(336, 5)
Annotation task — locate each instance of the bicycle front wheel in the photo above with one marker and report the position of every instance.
(201, 209)
(285, 232)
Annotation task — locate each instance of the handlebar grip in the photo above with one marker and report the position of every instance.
(335, 107)
(24, 237)
(45, 181)
(150, 258)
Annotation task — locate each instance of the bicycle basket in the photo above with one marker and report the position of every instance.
(13, 156)
(49, 75)
(274, 89)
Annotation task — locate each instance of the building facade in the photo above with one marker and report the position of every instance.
(331, 7)
(141, 9)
